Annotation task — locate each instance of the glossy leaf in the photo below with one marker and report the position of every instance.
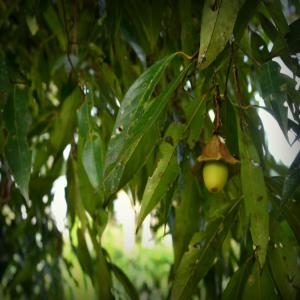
(161, 180)
(135, 115)
(92, 159)
(218, 19)
(200, 256)
(17, 152)
(255, 193)
(187, 216)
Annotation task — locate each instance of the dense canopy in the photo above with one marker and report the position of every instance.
(134, 90)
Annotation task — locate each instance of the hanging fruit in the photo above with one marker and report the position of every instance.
(217, 164)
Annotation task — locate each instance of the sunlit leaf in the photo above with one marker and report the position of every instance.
(135, 115)
(160, 182)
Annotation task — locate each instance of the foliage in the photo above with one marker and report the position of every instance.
(127, 86)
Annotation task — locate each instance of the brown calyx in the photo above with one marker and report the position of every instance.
(216, 149)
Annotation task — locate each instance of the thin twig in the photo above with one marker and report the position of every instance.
(228, 72)
(238, 92)
(217, 103)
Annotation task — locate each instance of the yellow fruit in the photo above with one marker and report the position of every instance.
(215, 175)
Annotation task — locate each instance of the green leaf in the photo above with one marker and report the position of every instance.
(32, 24)
(102, 277)
(229, 127)
(53, 21)
(65, 122)
(89, 167)
(124, 280)
(283, 260)
(141, 155)
(293, 37)
(259, 48)
(273, 87)
(160, 182)
(292, 179)
(187, 216)
(83, 253)
(273, 34)
(189, 35)
(291, 210)
(90, 144)
(237, 282)
(73, 194)
(195, 113)
(17, 152)
(201, 254)
(135, 115)
(80, 192)
(259, 285)
(275, 9)
(245, 15)
(255, 193)
(90, 197)
(156, 187)
(284, 42)
(146, 17)
(217, 25)
(4, 79)
(93, 159)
